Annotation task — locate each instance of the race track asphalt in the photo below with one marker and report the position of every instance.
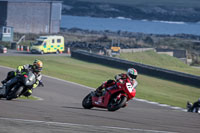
(60, 111)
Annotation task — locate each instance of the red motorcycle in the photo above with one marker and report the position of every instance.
(113, 98)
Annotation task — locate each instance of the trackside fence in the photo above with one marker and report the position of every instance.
(175, 76)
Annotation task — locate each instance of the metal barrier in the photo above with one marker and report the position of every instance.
(175, 76)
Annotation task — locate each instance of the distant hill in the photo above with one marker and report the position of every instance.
(167, 10)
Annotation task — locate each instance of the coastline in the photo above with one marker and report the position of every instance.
(161, 21)
(126, 24)
(159, 12)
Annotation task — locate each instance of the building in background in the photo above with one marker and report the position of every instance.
(31, 16)
(6, 33)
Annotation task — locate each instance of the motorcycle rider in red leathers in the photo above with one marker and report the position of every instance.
(131, 76)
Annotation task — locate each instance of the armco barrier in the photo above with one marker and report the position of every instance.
(141, 68)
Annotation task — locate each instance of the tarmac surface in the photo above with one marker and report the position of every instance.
(60, 111)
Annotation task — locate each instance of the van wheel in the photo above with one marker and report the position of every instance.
(42, 52)
(57, 52)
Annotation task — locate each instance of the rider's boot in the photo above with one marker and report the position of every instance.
(8, 86)
(189, 106)
(4, 81)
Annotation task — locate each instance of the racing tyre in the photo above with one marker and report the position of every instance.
(115, 104)
(1, 95)
(87, 102)
(15, 93)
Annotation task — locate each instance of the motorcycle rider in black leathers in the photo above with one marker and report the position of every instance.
(195, 105)
(11, 78)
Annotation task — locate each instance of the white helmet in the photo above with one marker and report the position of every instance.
(132, 73)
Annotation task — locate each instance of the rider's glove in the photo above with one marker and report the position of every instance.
(121, 81)
(36, 84)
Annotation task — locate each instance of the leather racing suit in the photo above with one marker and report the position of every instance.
(12, 78)
(122, 78)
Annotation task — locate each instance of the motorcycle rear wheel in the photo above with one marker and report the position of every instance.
(87, 102)
(115, 105)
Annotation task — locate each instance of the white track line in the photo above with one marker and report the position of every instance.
(137, 99)
(69, 82)
(83, 125)
(162, 105)
(71, 124)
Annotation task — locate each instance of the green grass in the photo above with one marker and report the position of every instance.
(93, 75)
(160, 60)
(29, 98)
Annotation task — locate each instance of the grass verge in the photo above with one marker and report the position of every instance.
(93, 75)
(160, 60)
(29, 98)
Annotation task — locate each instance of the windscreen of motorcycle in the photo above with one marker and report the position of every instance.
(30, 80)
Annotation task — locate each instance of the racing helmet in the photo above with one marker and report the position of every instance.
(37, 65)
(132, 73)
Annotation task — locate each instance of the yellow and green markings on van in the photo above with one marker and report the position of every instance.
(55, 48)
(48, 47)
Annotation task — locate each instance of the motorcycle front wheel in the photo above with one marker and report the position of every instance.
(87, 102)
(115, 104)
(14, 93)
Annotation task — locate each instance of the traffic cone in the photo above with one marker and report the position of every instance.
(100, 53)
(18, 47)
(28, 50)
(68, 51)
(4, 50)
(21, 48)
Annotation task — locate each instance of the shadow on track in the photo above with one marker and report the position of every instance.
(83, 108)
